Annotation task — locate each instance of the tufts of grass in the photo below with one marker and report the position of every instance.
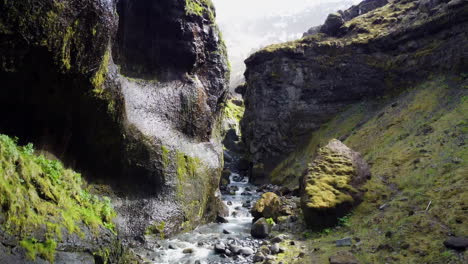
(37, 193)
(415, 144)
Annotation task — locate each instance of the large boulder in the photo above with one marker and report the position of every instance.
(332, 184)
(268, 206)
(333, 24)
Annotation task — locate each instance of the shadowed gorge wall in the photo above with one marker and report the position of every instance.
(150, 43)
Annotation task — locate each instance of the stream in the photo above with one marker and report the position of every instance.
(198, 246)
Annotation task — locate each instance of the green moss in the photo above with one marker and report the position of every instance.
(233, 111)
(327, 182)
(101, 74)
(37, 193)
(165, 156)
(45, 250)
(157, 229)
(203, 8)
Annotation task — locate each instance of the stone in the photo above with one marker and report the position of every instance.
(268, 206)
(260, 229)
(226, 232)
(172, 246)
(343, 257)
(275, 248)
(234, 248)
(332, 24)
(277, 239)
(188, 251)
(221, 220)
(457, 243)
(322, 202)
(344, 242)
(220, 248)
(246, 251)
(259, 257)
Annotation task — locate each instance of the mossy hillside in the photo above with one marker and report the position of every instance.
(40, 194)
(415, 145)
(374, 26)
(327, 183)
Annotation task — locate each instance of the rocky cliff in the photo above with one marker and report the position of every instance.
(296, 87)
(391, 85)
(127, 92)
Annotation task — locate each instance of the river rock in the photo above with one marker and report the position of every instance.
(188, 251)
(259, 257)
(457, 243)
(260, 229)
(343, 257)
(220, 248)
(331, 185)
(246, 251)
(275, 248)
(267, 206)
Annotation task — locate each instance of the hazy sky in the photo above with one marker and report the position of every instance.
(228, 9)
(249, 25)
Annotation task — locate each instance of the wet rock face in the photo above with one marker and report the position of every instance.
(332, 184)
(294, 88)
(131, 99)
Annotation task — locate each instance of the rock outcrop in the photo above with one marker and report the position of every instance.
(333, 24)
(296, 87)
(332, 185)
(127, 92)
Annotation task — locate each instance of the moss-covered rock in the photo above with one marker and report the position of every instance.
(268, 206)
(43, 205)
(331, 186)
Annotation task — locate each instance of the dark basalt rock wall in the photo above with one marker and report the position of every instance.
(295, 87)
(127, 92)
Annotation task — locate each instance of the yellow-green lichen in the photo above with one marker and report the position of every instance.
(327, 182)
(101, 74)
(203, 8)
(157, 229)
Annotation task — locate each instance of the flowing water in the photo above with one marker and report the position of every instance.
(202, 240)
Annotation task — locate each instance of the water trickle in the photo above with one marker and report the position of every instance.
(197, 246)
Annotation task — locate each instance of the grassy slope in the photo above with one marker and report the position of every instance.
(415, 144)
(39, 194)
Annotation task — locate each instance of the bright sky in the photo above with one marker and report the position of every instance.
(227, 9)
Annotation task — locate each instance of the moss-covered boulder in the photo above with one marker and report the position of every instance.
(268, 206)
(331, 186)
